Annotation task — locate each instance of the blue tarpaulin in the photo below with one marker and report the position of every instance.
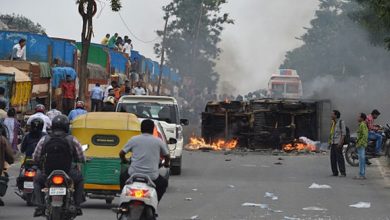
(60, 73)
(135, 55)
(37, 45)
(64, 50)
(118, 61)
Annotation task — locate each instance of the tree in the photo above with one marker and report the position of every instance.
(21, 23)
(87, 9)
(375, 16)
(192, 37)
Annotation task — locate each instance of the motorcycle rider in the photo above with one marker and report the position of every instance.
(146, 150)
(40, 113)
(60, 130)
(31, 140)
(78, 111)
(374, 131)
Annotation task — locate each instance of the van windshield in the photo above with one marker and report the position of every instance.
(161, 112)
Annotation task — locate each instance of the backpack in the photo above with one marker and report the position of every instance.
(347, 136)
(58, 153)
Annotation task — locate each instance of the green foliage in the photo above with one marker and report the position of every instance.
(337, 45)
(21, 23)
(193, 34)
(375, 16)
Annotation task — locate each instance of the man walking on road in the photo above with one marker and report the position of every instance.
(361, 144)
(96, 98)
(68, 95)
(336, 141)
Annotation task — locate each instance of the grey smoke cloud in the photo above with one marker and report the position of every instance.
(264, 31)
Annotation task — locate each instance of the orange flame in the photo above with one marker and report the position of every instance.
(219, 145)
(297, 146)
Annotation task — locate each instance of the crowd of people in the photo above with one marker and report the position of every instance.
(118, 43)
(367, 130)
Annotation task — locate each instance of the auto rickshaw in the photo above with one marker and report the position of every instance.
(105, 133)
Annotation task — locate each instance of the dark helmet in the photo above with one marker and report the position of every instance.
(60, 123)
(37, 125)
(40, 108)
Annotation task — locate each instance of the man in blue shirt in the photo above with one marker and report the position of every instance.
(96, 98)
(79, 110)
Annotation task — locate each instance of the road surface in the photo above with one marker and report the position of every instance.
(215, 186)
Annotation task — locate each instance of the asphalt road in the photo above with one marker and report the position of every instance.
(214, 186)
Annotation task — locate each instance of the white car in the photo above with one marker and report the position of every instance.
(164, 109)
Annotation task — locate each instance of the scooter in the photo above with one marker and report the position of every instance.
(138, 200)
(351, 153)
(25, 181)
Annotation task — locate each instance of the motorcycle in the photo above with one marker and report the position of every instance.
(138, 200)
(25, 181)
(59, 200)
(351, 153)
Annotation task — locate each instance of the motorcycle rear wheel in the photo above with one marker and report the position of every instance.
(351, 156)
(56, 214)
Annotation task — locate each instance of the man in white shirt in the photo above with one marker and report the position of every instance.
(40, 113)
(128, 47)
(139, 90)
(19, 50)
(112, 86)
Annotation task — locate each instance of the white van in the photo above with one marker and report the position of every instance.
(164, 109)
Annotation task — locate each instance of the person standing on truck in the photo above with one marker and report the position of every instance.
(105, 40)
(112, 41)
(19, 50)
(96, 98)
(68, 94)
(336, 142)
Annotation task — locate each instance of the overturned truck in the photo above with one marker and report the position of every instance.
(266, 123)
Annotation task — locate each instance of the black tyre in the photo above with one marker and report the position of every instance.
(351, 155)
(55, 214)
(176, 167)
(29, 200)
(148, 214)
(109, 201)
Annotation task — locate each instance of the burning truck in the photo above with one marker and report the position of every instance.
(264, 124)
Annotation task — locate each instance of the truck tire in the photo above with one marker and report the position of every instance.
(176, 167)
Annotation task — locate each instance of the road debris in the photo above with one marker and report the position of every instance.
(278, 163)
(195, 217)
(291, 218)
(314, 208)
(270, 195)
(361, 205)
(232, 186)
(317, 186)
(248, 204)
(228, 159)
(188, 199)
(195, 190)
(280, 158)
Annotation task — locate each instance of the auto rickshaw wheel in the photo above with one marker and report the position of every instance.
(109, 201)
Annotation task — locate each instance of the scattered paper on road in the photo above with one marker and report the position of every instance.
(248, 204)
(270, 195)
(361, 205)
(317, 186)
(314, 208)
(291, 218)
(195, 190)
(194, 217)
(276, 211)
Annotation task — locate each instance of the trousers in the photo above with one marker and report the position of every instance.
(337, 160)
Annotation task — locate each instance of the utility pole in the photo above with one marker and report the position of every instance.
(162, 56)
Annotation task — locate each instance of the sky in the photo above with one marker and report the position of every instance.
(253, 48)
